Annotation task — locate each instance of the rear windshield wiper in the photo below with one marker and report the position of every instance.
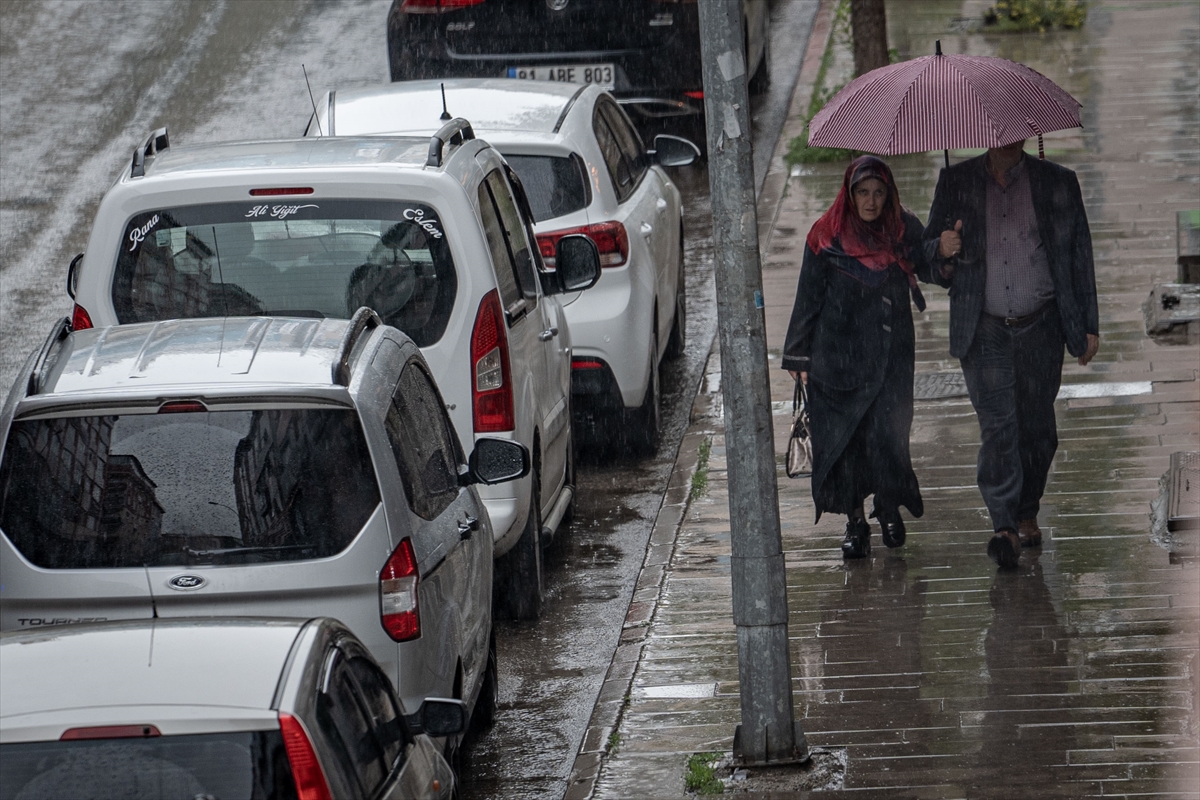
(249, 551)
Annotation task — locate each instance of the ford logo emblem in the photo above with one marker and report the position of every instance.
(186, 583)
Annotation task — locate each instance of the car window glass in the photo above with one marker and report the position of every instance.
(382, 709)
(614, 160)
(226, 765)
(346, 710)
(314, 259)
(556, 186)
(506, 277)
(425, 454)
(628, 140)
(217, 487)
(513, 225)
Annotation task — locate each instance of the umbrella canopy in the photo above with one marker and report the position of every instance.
(943, 102)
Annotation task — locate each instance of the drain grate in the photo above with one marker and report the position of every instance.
(938, 385)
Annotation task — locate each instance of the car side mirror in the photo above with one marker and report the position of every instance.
(73, 276)
(443, 717)
(576, 263)
(496, 461)
(673, 151)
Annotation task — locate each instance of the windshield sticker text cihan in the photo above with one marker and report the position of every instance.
(138, 234)
(418, 216)
(278, 212)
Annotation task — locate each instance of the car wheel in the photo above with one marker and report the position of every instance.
(760, 81)
(519, 571)
(643, 421)
(484, 715)
(677, 342)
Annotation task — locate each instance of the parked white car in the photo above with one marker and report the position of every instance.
(248, 466)
(586, 171)
(431, 232)
(198, 708)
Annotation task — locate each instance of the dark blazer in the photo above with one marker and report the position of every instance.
(847, 319)
(1058, 205)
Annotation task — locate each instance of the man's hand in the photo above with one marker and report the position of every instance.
(799, 376)
(951, 243)
(1093, 345)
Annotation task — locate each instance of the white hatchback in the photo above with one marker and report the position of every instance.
(586, 171)
(431, 232)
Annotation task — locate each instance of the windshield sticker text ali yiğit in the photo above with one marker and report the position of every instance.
(417, 215)
(278, 212)
(137, 235)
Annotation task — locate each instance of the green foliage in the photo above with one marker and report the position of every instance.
(700, 476)
(1036, 15)
(701, 777)
(798, 150)
(614, 743)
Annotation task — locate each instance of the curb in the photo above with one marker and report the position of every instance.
(618, 681)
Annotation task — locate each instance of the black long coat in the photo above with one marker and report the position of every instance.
(852, 331)
(1062, 222)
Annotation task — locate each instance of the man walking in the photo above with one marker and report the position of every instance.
(1011, 238)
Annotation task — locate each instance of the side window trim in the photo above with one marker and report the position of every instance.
(518, 308)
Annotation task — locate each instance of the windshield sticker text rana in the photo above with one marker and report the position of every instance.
(138, 235)
(278, 212)
(417, 215)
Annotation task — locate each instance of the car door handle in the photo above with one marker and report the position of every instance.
(661, 205)
(547, 334)
(467, 526)
(647, 229)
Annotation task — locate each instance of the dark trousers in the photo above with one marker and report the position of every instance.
(1013, 375)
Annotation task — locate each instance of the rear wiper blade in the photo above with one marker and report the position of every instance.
(225, 551)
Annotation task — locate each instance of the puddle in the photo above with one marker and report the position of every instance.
(676, 691)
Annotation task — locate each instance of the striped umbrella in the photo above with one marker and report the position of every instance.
(941, 102)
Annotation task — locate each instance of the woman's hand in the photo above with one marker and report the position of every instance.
(951, 243)
(799, 376)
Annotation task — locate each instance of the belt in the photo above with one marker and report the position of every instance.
(1020, 322)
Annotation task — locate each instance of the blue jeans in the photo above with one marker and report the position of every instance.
(1013, 375)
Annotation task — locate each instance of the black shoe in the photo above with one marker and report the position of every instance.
(857, 543)
(1005, 549)
(893, 531)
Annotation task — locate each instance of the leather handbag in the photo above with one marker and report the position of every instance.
(799, 451)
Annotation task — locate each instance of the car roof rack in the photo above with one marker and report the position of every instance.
(363, 320)
(37, 375)
(456, 131)
(157, 142)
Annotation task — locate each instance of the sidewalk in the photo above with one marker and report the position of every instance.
(925, 671)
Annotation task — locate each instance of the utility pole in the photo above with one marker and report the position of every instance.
(768, 733)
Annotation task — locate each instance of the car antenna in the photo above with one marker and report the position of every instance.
(445, 112)
(311, 100)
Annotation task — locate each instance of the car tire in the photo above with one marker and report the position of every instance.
(484, 714)
(677, 342)
(760, 81)
(519, 571)
(643, 422)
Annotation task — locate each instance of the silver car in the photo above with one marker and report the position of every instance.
(262, 709)
(253, 466)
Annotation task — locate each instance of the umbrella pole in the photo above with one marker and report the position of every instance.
(947, 154)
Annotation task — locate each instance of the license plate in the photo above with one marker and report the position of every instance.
(599, 74)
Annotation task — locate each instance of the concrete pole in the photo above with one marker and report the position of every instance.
(768, 733)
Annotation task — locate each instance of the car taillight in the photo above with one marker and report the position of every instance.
(398, 581)
(586, 363)
(306, 769)
(610, 237)
(491, 383)
(436, 6)
(80, 319)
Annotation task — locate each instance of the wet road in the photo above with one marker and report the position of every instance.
(81, 83)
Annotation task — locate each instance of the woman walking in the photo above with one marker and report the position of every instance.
(851, 342)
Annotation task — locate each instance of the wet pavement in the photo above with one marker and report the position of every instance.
(932, 673)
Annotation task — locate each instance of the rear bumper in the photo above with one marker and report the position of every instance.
(657, 77)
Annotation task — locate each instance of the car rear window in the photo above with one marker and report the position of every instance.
(216, 487)
(309, 258)
(555, 186)
(231, 766)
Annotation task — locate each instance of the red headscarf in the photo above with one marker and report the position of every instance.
(877, 244)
